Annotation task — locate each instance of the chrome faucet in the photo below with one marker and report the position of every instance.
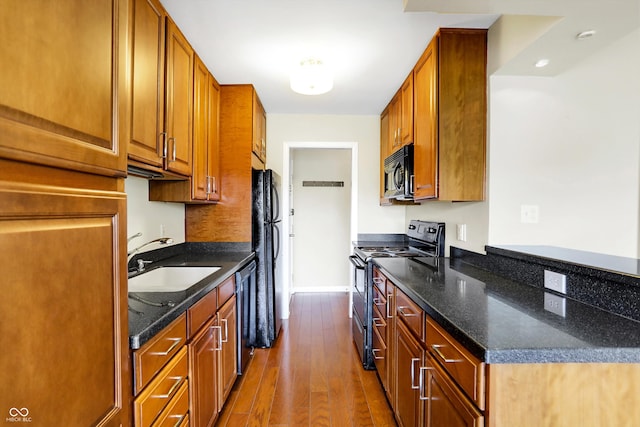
(161, 241)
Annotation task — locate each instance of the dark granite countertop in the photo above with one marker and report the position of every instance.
(146, 320)
(503, 321)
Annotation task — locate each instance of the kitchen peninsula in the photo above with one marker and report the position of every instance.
(507, 352)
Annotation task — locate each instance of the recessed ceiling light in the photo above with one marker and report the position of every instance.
(542, 63)
(585, 34)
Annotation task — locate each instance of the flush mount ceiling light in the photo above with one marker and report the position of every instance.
(542, 63)
(311, 77)
(585, 34)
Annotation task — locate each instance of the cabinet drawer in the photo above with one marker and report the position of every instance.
(465, 369)
(379, 323)
(379, 349)
(379, 302)
(226, 290)
(177, 410)
(200, 312)
(149, 359)
(155, 397)
(379, 280)
(411, 314)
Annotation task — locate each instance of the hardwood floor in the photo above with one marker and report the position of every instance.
(311, 377)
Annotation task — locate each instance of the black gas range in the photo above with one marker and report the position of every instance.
(424, 241)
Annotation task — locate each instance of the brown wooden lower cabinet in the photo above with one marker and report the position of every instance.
(446, 405)
(409, 358)
(203, 372)
(228, 366)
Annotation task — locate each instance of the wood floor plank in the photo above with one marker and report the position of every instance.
(311, 377)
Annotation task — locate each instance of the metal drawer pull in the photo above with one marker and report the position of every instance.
(377, 301)
(436, 349)
(413, 373)
(403, 313)
(421, 382)
(378, 324)
(226, 331)
(175, 385)
(378, 280)
(389, 314)
(176, 341)
(179, 417)
(374, 354)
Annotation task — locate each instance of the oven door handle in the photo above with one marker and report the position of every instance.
(357, 262)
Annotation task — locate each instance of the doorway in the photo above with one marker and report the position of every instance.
(310, 255)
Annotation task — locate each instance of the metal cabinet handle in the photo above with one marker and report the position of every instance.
(226, 330)
(174, 149)
(214, 184)
(405, 314)
(421, 383)
(374, 354)
(413, 373)
(163, 154)
(389, 314)
(378, 324)
(219, 328)
(175, 343)
(436, 349)
(177, 381)
(179, 417)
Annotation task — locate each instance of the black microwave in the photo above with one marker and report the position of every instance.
(398, 174)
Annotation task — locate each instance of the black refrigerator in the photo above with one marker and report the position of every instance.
(266, 242)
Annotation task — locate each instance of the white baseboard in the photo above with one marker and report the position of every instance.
(316, 289)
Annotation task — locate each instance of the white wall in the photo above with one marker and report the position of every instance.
(363, 130)
(570, 145)
(321, 223)
(150, 217)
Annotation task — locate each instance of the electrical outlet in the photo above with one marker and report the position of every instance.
(555, 304)
(555, 281)
(461, 232)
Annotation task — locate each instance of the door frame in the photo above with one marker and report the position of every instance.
(286, 208)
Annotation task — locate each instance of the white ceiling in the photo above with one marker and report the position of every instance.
(372, 45)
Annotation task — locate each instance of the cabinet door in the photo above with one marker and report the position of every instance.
(384, 151)
(63, 331)
(260, 129)
(447, 406)
(179, 101)
(409, 358)
(228, 356)
(406, 111)
(395, 111)
(63, 84)
(199, 179)
(425, 148)
(146, 143)
(213, 138)
(203, 377)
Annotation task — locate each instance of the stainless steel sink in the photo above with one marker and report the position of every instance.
(169, 279)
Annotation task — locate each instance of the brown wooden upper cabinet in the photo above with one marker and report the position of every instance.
(450, 84)
(60, 99)
(442, 109)
(401, 116)
(204, 184)
(259, 129)
(162, 92)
